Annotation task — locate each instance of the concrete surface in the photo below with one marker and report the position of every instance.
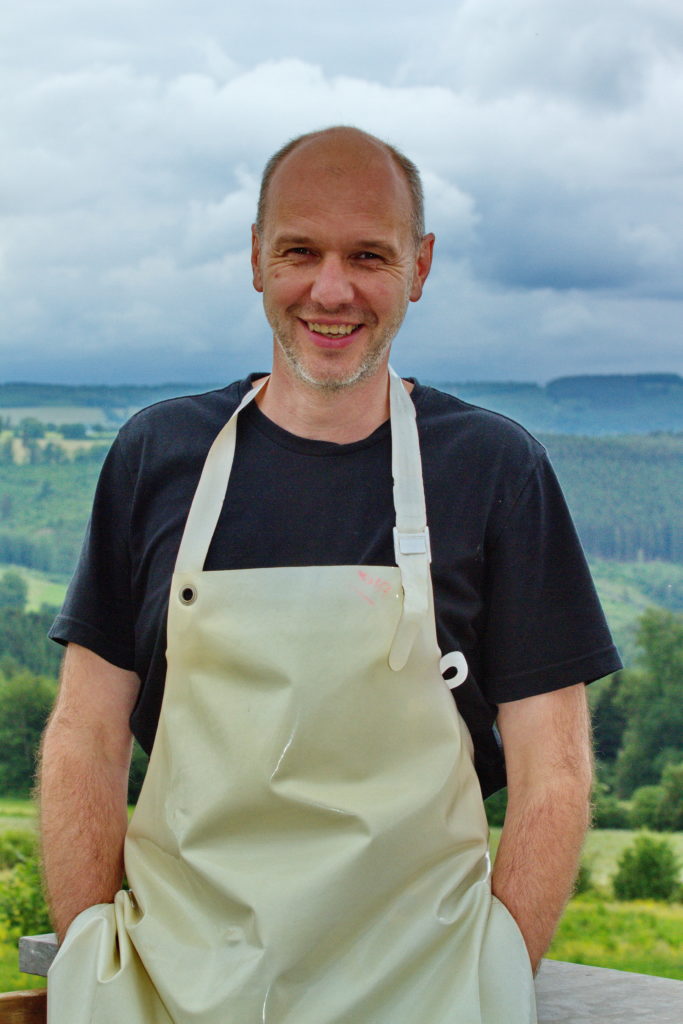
(575, 994)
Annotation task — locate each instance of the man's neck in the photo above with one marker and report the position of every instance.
(344, 415)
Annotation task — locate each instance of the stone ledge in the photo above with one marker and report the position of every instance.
(566, 993)
(36, 953)
(578, 994)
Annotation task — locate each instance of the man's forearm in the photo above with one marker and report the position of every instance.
(538, 857)
(549, 766)
(83, 817)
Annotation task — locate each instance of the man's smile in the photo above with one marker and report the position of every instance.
(333, 329)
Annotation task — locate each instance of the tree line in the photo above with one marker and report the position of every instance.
(638, 730)
(29, 667)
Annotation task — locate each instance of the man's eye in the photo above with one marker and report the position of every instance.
(299, 250)
(368, 256)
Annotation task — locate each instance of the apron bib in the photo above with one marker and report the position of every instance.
(310, 843)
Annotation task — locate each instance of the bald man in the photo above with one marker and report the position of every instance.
(326, 600)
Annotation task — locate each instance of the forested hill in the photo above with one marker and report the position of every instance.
(625, 493)
(630, 404)
(21, 394)
(593, 405)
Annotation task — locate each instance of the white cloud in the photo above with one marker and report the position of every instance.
(133, 137)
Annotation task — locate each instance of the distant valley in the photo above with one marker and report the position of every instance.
(590, 405)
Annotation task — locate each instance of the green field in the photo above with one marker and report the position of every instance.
(642, 936)
(42, 588)
(16, 814)
(602, 850)
(61, 414)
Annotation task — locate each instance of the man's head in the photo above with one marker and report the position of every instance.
(403, 163)
(338, 253)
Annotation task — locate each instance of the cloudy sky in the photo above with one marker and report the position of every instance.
(133, 135)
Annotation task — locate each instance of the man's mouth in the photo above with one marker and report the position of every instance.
(331, 330)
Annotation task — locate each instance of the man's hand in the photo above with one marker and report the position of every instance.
(549, 766)
(83, 782)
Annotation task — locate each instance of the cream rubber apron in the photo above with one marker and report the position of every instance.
(310, 844)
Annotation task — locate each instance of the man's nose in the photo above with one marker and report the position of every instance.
(332, 285)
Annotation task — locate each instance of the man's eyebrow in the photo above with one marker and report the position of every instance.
(386, 248)
(362, 245)
(283, 240)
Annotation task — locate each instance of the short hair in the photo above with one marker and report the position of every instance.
(404, 164)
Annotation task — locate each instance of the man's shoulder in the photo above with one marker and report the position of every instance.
(184, 408)
(176, 432)
(184, 420)
(448, 422)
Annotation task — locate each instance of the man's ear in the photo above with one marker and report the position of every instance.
(256, 259)
(423, 264)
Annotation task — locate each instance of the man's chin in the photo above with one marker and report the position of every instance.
(334, 378)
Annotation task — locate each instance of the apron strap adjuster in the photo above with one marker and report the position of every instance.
(412, 544)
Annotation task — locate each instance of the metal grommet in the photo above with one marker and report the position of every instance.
(188, 595)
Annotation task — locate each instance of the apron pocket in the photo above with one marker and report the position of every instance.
(506, 984)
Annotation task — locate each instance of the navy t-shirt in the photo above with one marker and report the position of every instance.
(511, 586)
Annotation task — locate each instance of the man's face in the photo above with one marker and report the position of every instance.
(336, 260)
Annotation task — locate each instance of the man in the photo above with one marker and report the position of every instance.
(310, 842)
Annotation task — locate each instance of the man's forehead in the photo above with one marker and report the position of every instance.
(339, 147)
(339, 156)
(331, 176)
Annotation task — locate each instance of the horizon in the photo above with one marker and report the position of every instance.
(649, 375)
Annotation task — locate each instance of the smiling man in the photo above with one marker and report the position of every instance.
(338, 257)
(320, 597)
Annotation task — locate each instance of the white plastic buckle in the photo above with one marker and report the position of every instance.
(412, 544)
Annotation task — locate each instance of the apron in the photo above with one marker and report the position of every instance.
(310, 843)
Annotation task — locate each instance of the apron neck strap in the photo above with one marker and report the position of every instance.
(207, 503)
(411, 533)
(411, 536)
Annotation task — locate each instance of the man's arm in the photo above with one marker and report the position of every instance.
(547, 745)
(83, 784)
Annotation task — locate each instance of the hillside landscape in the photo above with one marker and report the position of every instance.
(593, 405)
(625, 491)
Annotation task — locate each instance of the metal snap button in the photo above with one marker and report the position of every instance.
(188, 595)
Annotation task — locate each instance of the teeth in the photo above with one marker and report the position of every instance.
(336, 329)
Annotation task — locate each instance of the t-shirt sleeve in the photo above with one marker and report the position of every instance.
(97, 612)
(545, 627)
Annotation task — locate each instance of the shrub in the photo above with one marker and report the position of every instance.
(496, 805)
(671, 808)
(25, 703)
(16, 847)
(646, 807)
(648, 869)
(609, 812)
(584, 879)
(138, 770)
(22, 906)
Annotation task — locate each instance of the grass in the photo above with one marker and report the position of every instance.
(11, 978)
(16, 814)
(604, 847)
(42, 588)
(641, 936)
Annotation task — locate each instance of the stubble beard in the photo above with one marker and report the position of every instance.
(372, 359)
